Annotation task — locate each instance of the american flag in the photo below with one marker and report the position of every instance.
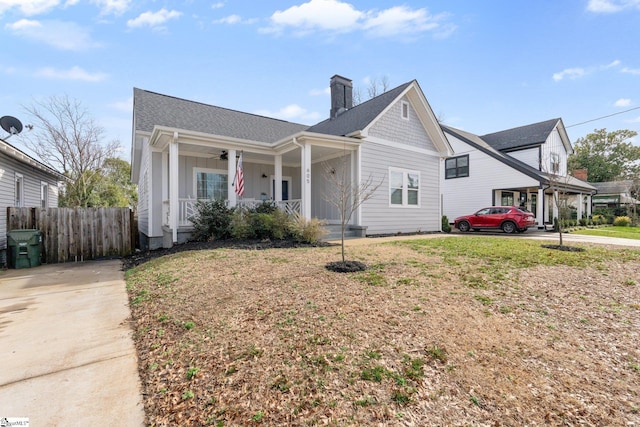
(239, 178)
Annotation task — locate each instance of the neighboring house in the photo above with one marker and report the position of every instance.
(184, 150)
(24, 182)
(520, 167)
(614, 194)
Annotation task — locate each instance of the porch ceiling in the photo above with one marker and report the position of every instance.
(318, 153)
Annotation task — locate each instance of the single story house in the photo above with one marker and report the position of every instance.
(615, 194)
(524, 166)
(183, 151)
(24, 182)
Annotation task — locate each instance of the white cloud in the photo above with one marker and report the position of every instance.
(153, 19)
(29, 7)
(570, 73)
(291, 112)
(612, 6)
(318, 92)
(73, 73)
(234, 19)
(59, 34)
(116, 7)
(217, 5)
(613, 64)
(336, 17)
(125, 106)
(627, 70)
(622, 102)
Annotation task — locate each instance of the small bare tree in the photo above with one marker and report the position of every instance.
(345, 195)
(66, 138)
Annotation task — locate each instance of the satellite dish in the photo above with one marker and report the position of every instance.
(11, 125)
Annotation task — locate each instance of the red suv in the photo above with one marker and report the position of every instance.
(507, 218)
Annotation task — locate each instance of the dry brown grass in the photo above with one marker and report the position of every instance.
(426, 336)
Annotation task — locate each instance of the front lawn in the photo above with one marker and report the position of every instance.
(439, 331)
(622, 232)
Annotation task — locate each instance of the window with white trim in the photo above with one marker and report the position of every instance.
(404, 107)
(210, 184)
(44, 194)
(404, 187)
(555, 163)
(19, 191)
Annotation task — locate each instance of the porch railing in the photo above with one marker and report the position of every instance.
(187, 209)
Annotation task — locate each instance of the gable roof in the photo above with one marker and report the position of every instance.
(24, 158)
(613, 187)
(360, 116)
(569, 182)
(152, 109)
(522, 136)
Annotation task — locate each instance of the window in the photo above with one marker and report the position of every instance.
(405, 110)
(19, 191)
(210, 184)
(44, 194)
(555, 163)
(457, 167)
(404, 188)
(507, 198)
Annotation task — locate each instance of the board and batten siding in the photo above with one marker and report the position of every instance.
(463, 196)
(554, 144)
(32, 179)
(377, 213)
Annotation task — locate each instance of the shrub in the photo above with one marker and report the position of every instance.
(622, 221)
(583, 222)
(445, 224)
(212, 220)
(311, 231)
(599, 219)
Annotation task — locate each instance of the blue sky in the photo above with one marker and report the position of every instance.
(484, 66)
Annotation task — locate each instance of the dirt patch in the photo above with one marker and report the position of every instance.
(271, 337)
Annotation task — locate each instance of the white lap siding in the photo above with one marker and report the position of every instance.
(377, 214)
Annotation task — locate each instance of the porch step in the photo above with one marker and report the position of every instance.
(333, 232)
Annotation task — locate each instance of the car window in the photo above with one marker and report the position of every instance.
(483, 211)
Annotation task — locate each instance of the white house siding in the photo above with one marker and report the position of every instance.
(320, 207)
(554, 144)
(32, 179)
(157, 198)
(377, 214)
(529, 156)
(392, 127)
(462, 196)
(143, 190)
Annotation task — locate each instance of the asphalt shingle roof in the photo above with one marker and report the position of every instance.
(613, 187)
(152, 109)
(358, 117)
(523, 136)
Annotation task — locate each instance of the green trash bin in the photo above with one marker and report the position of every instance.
(24, 248)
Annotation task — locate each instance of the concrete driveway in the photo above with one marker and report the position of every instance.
(66, 353)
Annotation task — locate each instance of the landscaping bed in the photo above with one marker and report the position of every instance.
(441, 331)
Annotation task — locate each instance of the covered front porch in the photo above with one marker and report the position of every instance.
(291, 173)
(541, 201)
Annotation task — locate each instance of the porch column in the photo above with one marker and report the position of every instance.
(556, 212)
(231, 173)
(580, 206)
(173, 187)
(540, 202)
(305, 172)
(277, 196)
(355, 181)
(589, 206)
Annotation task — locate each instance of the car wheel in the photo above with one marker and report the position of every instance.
(509, 227)
(463, 226)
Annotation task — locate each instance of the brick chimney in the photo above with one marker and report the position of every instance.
(580, 174)
(341, 95)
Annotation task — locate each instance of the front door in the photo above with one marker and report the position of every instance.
(286, 182)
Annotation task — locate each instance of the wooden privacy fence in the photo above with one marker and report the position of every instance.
(77, 234)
